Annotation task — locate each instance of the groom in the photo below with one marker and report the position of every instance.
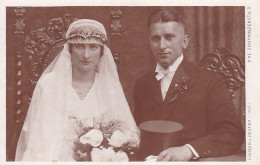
(182, 92)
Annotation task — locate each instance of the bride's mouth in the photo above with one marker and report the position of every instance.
(85, 62)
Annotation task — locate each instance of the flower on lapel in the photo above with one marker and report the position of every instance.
(179, 88)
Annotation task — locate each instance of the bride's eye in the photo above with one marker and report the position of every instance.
(80, 46)
(93, 46)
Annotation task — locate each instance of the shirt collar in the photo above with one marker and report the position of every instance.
(171, 69)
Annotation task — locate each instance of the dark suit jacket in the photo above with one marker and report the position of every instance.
(205, 109)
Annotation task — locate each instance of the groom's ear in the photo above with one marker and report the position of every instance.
(186, 40)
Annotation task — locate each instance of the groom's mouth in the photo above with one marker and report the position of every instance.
(163, 53)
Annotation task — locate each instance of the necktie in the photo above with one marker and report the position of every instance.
(165, 77)
(161, 74)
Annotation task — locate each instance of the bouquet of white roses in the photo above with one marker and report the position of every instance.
(104, 141)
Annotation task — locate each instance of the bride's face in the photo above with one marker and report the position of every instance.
(85, 57)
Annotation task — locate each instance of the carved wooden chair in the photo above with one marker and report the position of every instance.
(34, 49)
(232, 68)
(39, 48)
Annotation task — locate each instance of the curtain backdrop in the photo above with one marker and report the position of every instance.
(212, 27)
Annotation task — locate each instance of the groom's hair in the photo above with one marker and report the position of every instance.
(166, 15)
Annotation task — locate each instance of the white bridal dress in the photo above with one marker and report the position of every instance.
(49, 128)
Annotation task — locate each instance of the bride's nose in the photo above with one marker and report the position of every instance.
(86, 54)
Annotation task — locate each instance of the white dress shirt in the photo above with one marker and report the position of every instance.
(165, 77)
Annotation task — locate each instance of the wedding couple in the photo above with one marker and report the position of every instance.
(82, 83)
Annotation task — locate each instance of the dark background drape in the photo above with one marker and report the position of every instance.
(208, 27)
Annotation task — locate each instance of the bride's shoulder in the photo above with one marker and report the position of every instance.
(46, 79)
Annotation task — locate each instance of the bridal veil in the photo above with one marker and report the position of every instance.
(43, 130)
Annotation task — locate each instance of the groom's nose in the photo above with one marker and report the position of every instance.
(162, 44)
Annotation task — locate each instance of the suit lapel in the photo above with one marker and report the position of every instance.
(170, 98)
(182, 73)
(179, 76)
(156, 94)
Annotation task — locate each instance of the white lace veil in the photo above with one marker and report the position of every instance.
(43, 131)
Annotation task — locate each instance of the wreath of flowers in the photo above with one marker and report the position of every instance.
(83, 35)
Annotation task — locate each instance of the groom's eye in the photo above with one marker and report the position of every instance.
(155, 38)
(169, 37)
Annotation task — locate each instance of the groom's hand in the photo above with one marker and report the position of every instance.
(182, 153)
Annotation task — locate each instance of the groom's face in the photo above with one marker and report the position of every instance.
(167, 41)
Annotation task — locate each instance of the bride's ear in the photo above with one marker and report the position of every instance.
(96, 69)
(70, 47)
(101, 51)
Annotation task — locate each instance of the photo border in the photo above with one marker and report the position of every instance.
(252, 63)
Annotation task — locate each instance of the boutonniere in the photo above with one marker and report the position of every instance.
(180, 87)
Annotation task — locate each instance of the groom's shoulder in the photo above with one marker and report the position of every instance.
(144, 78)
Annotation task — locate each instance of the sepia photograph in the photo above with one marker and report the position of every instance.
(127, 83)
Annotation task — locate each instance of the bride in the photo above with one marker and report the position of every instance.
(81, 83)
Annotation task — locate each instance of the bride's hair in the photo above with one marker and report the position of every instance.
(101, 50)
(84, 35)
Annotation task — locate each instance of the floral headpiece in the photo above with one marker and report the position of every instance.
(85, 38)
(86, 31)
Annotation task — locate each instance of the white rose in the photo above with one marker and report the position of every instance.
(93, 137)
(121, 156)
(117, 139)
(102, 154)
(95, 155)
(88, 122)
(134, 140)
